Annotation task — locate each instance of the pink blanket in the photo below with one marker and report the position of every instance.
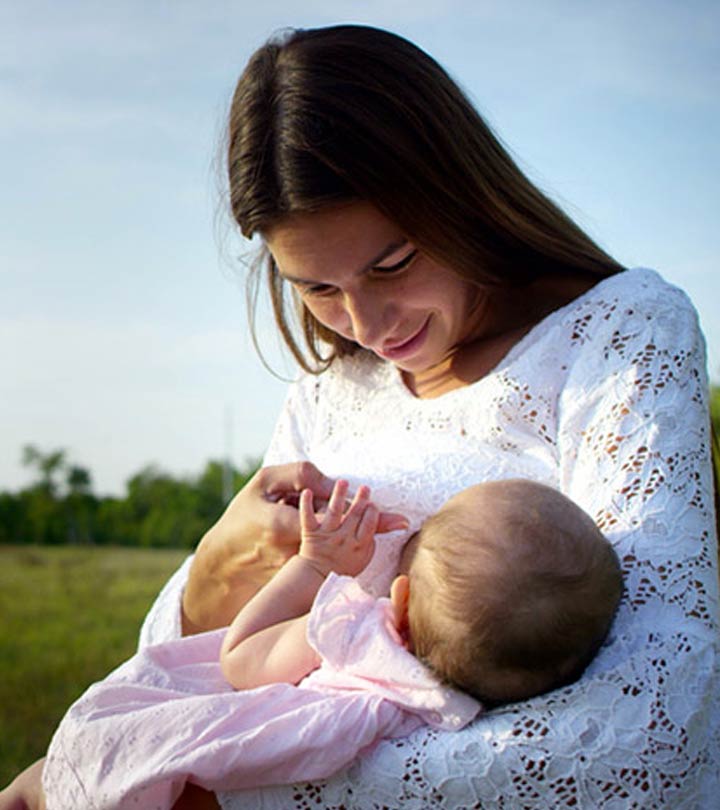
(167, 715)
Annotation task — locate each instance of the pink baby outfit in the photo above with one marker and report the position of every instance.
(167, 715)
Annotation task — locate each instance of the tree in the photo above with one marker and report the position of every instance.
(80, 504)
(48, 465)
(78, 480)
(59, 506)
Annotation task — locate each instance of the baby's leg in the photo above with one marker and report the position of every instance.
(25, 791)
(192, 798)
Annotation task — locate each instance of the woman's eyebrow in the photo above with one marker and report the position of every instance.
(388, 250)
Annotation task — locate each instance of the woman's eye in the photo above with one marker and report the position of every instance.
(394, 268)
(317, 289)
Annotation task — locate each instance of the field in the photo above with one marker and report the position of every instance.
(68, 615)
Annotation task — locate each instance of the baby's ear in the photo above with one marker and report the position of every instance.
(399, 599)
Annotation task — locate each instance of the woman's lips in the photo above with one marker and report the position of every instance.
(402, 351)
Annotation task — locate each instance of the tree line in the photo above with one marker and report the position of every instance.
(158, 509)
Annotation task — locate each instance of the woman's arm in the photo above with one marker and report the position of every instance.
(258, 532)
(266, 642)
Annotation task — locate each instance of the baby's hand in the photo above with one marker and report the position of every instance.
(340, 540)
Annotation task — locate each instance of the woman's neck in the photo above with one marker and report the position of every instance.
(515, 313)
(470, 363)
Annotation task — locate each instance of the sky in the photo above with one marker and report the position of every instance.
(123, 332)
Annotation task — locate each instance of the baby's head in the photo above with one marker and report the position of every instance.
(511, 590)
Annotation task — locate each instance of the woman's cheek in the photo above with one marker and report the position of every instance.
(331, 314)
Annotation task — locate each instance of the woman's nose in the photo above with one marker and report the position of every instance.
(365, 316)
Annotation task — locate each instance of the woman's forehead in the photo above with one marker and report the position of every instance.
(354, 235)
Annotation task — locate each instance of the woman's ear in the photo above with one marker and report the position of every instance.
(399, 599)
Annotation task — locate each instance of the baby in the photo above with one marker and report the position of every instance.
(507, 592)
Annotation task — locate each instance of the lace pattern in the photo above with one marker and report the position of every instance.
(606, 399)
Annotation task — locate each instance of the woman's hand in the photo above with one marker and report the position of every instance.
(342, 538)
(259, 530)
(265, 510)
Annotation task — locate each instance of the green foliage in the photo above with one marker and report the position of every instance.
(69, 616)
(158, 510)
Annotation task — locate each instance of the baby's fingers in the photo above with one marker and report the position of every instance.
(357, 508)
(336, 506)
(368, 526)
(308, 522)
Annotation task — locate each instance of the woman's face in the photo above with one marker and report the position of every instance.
(362, 278)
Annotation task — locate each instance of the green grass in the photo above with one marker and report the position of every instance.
(68, 615)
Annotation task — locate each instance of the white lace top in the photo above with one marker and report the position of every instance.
(605, 399)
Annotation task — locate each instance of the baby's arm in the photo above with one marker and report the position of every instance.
(266, 642)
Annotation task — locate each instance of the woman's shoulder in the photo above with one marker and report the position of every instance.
(630, 302)
(640, 284)
(640, 303)
(633, 318)
(638, 287)
(634, 324)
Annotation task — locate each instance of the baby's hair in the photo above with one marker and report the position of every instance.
(516, 603)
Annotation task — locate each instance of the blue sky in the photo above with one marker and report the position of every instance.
(123, 335)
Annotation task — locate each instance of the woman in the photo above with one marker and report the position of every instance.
(357, 146)
(457, 326)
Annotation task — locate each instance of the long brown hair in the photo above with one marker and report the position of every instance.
(333, 115)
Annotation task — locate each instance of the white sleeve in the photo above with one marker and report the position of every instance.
(163, 622)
